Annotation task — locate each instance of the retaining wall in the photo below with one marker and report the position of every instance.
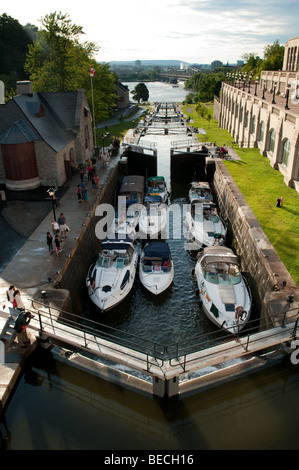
(257, 255)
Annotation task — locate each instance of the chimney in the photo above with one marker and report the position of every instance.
(24, 88)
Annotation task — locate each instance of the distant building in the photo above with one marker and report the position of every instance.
(138, 64)
(123, 95)
(265, 114)
(42, 137)
(216, 64)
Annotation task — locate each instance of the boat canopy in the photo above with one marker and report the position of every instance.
(156, 250)
(218, 254)
(157, 179)
(132, 183)
(200, 185)
(117, 244)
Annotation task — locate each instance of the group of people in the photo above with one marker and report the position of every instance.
(59, 230)
(23, 318)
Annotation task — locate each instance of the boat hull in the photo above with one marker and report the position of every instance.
(219, 300)
(108, 287)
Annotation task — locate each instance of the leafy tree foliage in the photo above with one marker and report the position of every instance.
(207, 84)
(58, 61)
(273, 60)
(140, 92)
(14, 40)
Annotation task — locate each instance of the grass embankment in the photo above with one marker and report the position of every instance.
(261, 185)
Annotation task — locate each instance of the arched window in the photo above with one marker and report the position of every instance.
(241, 114)
(262, 131)
(286, 152)
(272, 141)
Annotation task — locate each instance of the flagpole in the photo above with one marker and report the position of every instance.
(94, 122)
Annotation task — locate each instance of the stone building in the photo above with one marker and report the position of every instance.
(123, 98)
(264, 113)
(42, 136)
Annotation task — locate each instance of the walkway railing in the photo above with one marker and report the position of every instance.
(84, 330)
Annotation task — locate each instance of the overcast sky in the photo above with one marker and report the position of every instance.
(188, 30)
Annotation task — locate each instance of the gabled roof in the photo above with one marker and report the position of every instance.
(18, 133)
(49, 124)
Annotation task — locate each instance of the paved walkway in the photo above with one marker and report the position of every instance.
(33, 266)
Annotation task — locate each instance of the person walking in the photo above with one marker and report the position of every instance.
(18, 302)
(49, 239)
(78, 191)
(55, 227)
(20, 326)
(62, 225)
(10, 293)
(57, 244)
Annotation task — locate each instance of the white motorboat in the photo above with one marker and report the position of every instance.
(111, 278)
(222, 288)
(156, 186)
(156, 270)
(203, 225)
(126, 220)
(200, 191)
(153, 217)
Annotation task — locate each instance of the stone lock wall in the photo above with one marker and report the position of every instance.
(85, 251)
(257, 255)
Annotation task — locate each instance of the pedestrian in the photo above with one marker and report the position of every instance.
(20, 326)
(94, 183)
(55, 227)
(89, 171)
(10, 293)
(84, 192)
(239, 312)
(78, 191)
(57, 244)
(81, 173)
(49, 239)
(18, 302)
(62, 225)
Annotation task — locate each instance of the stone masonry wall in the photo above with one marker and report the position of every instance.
(257, 255)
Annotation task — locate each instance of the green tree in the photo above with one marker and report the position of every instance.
(140, 92)
(273, 56)
(14, 40)
(58, 61)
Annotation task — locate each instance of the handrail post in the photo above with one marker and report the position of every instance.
(40, 321)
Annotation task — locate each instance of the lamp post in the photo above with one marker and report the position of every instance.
(256, 82)
(51, 192)
(249, 80)
(263, 97)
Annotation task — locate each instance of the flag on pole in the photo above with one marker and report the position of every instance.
(92, 71)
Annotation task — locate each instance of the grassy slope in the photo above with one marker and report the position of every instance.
(261, 185)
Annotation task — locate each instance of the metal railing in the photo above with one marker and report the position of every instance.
(154, 351)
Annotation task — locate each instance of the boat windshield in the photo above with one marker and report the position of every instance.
(222, 273)
(156, 265)
(116, 260)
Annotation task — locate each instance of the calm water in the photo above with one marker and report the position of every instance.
(159, 91)
(58, 407)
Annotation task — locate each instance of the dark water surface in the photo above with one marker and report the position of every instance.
(56, 406)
